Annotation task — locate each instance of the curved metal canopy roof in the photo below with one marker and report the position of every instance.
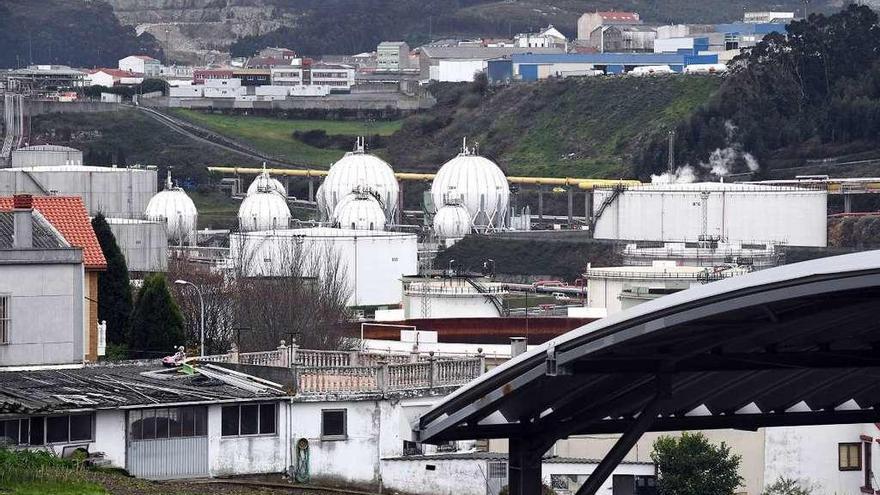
(793, 345)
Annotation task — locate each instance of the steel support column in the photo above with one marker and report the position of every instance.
(624, 444)
(540, 204)
(570, 207)
(398, 220)
(311, 190)
(847, 203)
(524, 468)
(588, 206)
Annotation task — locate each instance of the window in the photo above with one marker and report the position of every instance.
(175, 422)
(849, 456)
(5, 320)
(333, 424)
(59, 429)
(247, 419)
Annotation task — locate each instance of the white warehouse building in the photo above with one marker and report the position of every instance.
(372, 262)
(731, 212)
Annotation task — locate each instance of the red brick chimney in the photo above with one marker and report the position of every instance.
(23, 202)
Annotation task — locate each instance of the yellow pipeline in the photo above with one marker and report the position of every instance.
(585, 184)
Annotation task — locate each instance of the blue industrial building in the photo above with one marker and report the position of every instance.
(531, 67)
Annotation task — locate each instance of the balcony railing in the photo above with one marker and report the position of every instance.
(351, 372)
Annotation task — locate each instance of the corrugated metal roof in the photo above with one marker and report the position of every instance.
(44, 236)
(112, 386)
(602, 58)
(484, 53)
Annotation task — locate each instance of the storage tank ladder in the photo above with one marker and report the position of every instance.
(615, 192)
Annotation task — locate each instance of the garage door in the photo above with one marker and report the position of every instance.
(168, 443)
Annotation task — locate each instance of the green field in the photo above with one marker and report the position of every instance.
(275, 136)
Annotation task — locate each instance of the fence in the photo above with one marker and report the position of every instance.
(322, 372)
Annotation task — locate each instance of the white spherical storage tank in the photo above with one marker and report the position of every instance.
(745, 213)
(452, 222)
(358, 169)
(476, 182)
(263, 210)
(371, 263)
(265, 182)
(359, 211)
(173, 207)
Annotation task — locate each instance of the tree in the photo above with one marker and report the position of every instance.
(220, 297)
(691, 465)
(114, 287)
(787, 486)
(156, 326)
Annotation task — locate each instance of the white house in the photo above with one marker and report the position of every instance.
(392, 56)
(141, 64)
(337, 76)
(112, 77)
(548, 37)
(287, 75)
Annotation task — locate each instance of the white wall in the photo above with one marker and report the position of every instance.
(672, 45)
(375, 430)
(250, 454)
(46, 313)
(194, 91)
(110, 436)
(809, 454)
(605, 292)
(459, 70)
(449, 477)
(584, 469)
(448, 306)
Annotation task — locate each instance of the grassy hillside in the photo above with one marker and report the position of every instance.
(591, 127)
(275, 136)
(139, 138)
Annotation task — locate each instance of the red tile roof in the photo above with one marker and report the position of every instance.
(69, 216)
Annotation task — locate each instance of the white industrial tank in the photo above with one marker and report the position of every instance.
(358, 169)
(360, 210)
(452, 221)
(265, 182)
(476, 182)
(46, 155)
(177, 210)
(737, 213)
(263, 210)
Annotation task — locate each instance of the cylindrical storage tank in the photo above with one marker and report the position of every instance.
(263, 211)
(452, 222)
(46, 155)
(264, 182)
(173, 207)
(741, 213)
(359, 211)
(114, 192)
(358, 169)
(478, 184)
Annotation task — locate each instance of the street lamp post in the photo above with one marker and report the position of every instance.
(201, 313)
(451, 272)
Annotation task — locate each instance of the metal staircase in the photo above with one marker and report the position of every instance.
(488, 295)
(615, 192)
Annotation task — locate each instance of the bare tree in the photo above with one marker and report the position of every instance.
(219, 293)
(290, 287)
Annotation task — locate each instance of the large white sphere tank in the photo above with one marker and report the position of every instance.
(263, 210)
(360, 210)
(176, 209)
(452, 221)
(265, 182)
(478, 184)
(358, 169)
